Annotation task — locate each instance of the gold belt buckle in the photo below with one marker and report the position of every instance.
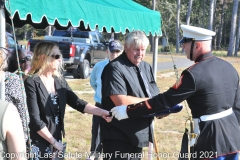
(193, 135)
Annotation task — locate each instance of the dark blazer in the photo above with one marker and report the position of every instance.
(40, 105)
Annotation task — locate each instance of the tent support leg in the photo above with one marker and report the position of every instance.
(155, 55)
(2, 27)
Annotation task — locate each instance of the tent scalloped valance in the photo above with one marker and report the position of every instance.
(107, 15)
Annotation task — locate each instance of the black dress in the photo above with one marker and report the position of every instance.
(48, 111)
(41, 149)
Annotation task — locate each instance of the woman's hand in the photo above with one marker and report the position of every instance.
(106, 115)
(58, 145)
(44, 132)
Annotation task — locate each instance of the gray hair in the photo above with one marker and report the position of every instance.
(136, 37)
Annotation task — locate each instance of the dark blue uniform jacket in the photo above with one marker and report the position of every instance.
(210, 86)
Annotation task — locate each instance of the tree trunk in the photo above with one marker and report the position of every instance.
(233, 28)
(203, 15)
(224, 39)
(49, 30)
(219, 40)
(214, 25)
(189, 12)
(112, 37)
(188, 15)
(211, 14)
(177, 27)
(237, 36)
(167, 47)
(25, 34)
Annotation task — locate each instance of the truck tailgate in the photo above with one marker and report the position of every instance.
(64, 48)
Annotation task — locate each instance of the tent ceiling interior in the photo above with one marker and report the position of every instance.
(107, 15)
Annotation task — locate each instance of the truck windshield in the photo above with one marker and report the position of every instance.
(75, 33)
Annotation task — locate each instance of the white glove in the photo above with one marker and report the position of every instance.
(120, 112)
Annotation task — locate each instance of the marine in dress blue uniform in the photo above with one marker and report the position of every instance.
(211, 88)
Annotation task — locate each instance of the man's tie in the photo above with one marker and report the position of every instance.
(143, 82)
(145, 88)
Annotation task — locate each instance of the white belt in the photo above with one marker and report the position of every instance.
(216, 115)
(207, 118)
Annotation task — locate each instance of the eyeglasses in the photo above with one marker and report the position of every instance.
(25, 59)
(56, 56)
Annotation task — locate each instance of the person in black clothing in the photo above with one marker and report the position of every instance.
(122, 84)
(48, 93)
(211, 89)
(113, 51)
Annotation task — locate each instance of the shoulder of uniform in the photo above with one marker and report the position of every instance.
(192, 66)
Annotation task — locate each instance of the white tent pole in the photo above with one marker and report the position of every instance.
(155, 55)
(154, 65)
(2, 27)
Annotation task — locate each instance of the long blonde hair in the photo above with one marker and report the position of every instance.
(39, 64)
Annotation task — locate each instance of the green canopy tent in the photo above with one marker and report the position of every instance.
(108, 15)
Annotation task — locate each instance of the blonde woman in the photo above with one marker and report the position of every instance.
(47, 95)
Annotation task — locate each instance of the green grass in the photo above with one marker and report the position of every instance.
(80, 85)
(223, 53)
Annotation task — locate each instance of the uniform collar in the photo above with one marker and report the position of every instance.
(204, 56)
